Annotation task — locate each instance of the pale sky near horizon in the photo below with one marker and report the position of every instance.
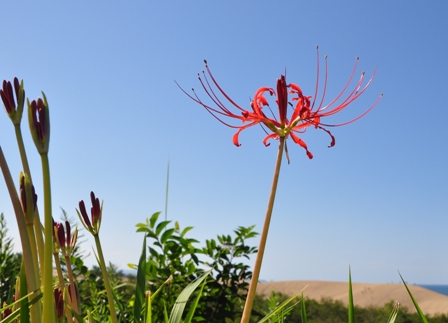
(377, 201)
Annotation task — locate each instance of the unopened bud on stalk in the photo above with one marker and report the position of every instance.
(59, 302)
(39, 120)
(7, 94)
(93, 225)
(28, 198)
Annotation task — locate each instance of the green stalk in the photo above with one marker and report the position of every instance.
(264, 236)
(113, 313)
(74, 299)
(30, 229)
(36, 218)
(48, 313)
(68, 314)
(24, 238)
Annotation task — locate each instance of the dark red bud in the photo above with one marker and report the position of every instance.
(61, 235)
(7, 97)
(67, 232)
(59, 302)
(82, 209)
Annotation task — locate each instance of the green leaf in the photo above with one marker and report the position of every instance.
(153, 220)
(179, 305)
(419, 311)
(161, 226)
(166, 235)
(140, 284)
(195, 304)
(351, 307)
(184, 231)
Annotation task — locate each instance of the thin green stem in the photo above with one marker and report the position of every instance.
(36, 219)
(110, 298)
(24, 238)
(48, 313)
(264, 236)
(30, 229)
(73, 296)
(57, 262)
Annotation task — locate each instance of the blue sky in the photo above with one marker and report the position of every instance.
(377, 201)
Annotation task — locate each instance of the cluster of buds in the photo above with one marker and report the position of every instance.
(28, 198)
(7, 94)
(63, 238)
(39, 120)
(93, 225)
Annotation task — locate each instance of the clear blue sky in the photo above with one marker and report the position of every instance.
(376, 201)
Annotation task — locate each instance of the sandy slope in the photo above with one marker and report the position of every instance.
(363, 294)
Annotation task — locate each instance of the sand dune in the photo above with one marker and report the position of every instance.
(363, 294)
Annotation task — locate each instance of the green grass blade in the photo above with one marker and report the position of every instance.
(24, 309)
(165, 313)
(179, 305)
(282, 307)
(148, 309)
(140, 284)
(351, 306)
(195, 304)
(303, 311)
(394, 313)
(419, 311)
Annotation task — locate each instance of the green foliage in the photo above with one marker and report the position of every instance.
(9, 264)
(172, 254)
(225, 295)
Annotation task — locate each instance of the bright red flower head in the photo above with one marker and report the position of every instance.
(305, 113)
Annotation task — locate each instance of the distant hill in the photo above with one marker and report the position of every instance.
(364, 295)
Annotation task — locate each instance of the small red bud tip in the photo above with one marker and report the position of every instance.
(205, 61)
(357, 58)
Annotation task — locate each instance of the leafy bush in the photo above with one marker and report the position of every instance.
(9, 264)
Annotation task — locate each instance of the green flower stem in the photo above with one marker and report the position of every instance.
(57, 263)
(30, 229)
(113, 313)
(26, 169)
(48, 313)
(74, 299)
(264, 236)
(24, 238)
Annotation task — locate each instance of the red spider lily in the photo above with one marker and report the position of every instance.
(304, 112)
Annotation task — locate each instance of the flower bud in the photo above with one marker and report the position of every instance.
(28, 198)
(39, 121)
(93, 225)
(14, 111)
